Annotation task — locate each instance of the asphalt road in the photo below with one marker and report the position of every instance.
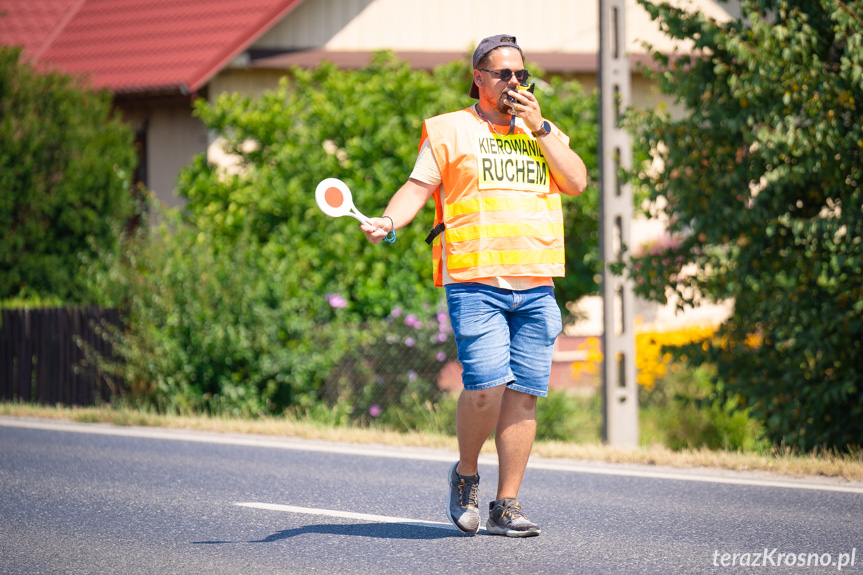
(97, 499)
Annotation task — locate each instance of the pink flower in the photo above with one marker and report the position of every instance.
(441, 337)
(336, 301)
(413, 321)
(410, 342)
(375, 410)
(441, 356)
(397, 312)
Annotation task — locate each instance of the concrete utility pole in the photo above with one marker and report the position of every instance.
(620, 389)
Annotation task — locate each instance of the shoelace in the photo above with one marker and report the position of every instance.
(468, 497)
(513, 511)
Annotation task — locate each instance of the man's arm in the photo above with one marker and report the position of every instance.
(403, 207)
(566, 167)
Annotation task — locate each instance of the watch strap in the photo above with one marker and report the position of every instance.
(543, 130)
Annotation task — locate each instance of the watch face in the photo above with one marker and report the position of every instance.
(543, 130)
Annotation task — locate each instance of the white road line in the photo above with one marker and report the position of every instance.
(420, 454)
(349, 515)
(756, 482)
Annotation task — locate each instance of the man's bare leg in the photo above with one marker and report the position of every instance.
(516, 429)
(476, 417)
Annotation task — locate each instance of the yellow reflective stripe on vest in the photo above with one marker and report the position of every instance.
(529, 204)
(503, 230)
(505, 258)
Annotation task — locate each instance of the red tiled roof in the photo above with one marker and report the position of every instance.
(29, 24)
(138, 45)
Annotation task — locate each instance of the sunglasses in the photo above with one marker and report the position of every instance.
(505, 74)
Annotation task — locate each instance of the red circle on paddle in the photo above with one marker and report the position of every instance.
(334, 197)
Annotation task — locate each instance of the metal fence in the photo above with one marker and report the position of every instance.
(41, 360)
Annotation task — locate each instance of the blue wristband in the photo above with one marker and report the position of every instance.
(391, 237)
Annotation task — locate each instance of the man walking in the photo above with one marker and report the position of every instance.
(496, 171)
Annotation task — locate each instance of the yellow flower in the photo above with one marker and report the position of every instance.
(651, 363)
(594, 358)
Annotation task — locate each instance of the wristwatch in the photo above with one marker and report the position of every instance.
(545, 129)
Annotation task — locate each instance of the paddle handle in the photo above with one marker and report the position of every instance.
(354, 213)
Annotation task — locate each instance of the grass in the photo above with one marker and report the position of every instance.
(848, 466)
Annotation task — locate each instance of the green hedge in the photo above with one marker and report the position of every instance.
(65, 173)
(249, 300)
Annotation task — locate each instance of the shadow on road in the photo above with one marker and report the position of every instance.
(377, 530)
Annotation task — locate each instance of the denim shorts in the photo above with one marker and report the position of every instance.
(504, 337)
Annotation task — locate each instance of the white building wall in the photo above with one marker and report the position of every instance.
(174, 137)
(565, 26)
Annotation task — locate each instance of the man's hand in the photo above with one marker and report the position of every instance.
(565, 165)
(403, 207)
(526, 107)
(377, 229)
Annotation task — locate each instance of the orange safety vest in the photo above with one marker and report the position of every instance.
(502, 209)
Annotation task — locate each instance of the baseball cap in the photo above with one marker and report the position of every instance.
(486, 46)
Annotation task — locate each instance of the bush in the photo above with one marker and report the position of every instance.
(208, 328)
(683, 410)
(362, 126)
(247, 301)
(229, 329)
(65, 174)
(564, 417)
(762, 183)
(683, 405)
(391, 375)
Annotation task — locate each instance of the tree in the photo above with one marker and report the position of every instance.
(362, 126)
(248, 304)
(65, 169)
(760, 181)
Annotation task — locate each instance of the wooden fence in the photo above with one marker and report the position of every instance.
(39, 355)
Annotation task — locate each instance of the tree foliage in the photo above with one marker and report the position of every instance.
(65, 170)
(362, 126)
(257, 302)
(760, 179)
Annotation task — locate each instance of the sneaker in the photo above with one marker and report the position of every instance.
(505, 517)
(463, 509)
